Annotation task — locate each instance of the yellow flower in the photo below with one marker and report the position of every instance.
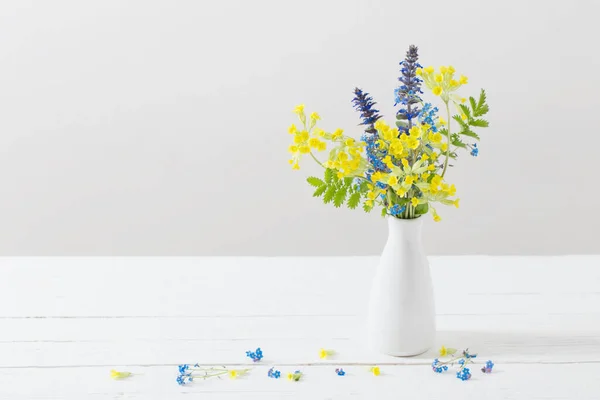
(462, 99)
(436, 218)
(369, 203)
(292, 129)
(372, 195)
(375, 370)
(437, 90)
(315, 117)
(424, 157)
(233, 374)
(409, 180)
(463, 80)
(444, 146)
(430, 167)
(425, 176)
(349, 142)
(452, 190)
(295, 166)
(419, 71)
(443, 351)
(429, 69)
(299, 109)
(326, 353)
(393, 180)
(442, 121)
(322, 146)
(340, 174)
(443, 69)
(412, 143)
(314, 142)
(456, 203)
(342, 156)
(415, 131)
(396, 147)
(114, 374)
(451, 69)
(405, 162)
(453, 83)
(434, 155)
(463, 116)
(439, 78)
(414, 201)
(304, 149)
(436, 180)
(377, 176)
(387, 160)
(290, 376)
(435, 137)
(337, 134)
(401, 192)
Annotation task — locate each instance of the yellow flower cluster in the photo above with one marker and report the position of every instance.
(443, 83)
(346, 158)
(306, 139)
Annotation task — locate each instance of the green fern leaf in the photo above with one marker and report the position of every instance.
(340, 196)
(460, 121)
(353, 201)
(465, 110)
(329, 194)
(482, 99)
(469, 133)
(313, 181)
(482, 107)
(482, 123)
(320, 190)
(329, 175)
(383, 212)
(367, 208)
(473, 103)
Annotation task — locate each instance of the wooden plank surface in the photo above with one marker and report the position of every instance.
(65, 322)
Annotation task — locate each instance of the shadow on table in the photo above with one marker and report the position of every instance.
(522, 346)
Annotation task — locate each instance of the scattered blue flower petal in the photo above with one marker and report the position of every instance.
(340, 371)
(464, 374)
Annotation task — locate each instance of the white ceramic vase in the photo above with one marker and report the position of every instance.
(401, 319)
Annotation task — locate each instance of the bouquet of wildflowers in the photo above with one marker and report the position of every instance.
(401, 167)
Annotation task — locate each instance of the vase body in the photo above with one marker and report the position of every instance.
(401, 320)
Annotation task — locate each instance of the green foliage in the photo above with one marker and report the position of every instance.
(340, 196)
(316, 182)
(339, 191)
(329, 194)
(422, 209)
(472, 111)
(353, 200)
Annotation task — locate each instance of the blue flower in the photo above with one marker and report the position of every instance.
(255, 356)
(273, 373)
(464, 374)
(183, 379)
(340, 371)
(487, 368)
(474, 150)
(396, 209)
(407, 94)
(183, 369)
(461, 361)
(364, 104)
(428, 116)
(436, 367)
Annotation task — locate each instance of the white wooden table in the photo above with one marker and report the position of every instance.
(66, 322)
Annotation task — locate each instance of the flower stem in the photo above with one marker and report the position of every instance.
(315, 158)
(447, 137)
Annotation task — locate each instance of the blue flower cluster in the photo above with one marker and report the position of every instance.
(474, 150)
(407, 94)
(464, 374)
(273, 373)
(428, 116)
(396, 209)
(364, 104)
(436, 367)
(184, 376)
(255, 355)
(340, 371)
(487, 368)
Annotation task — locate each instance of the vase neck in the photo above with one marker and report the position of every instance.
(405, 229)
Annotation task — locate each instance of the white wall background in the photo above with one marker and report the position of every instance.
(159, 127)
